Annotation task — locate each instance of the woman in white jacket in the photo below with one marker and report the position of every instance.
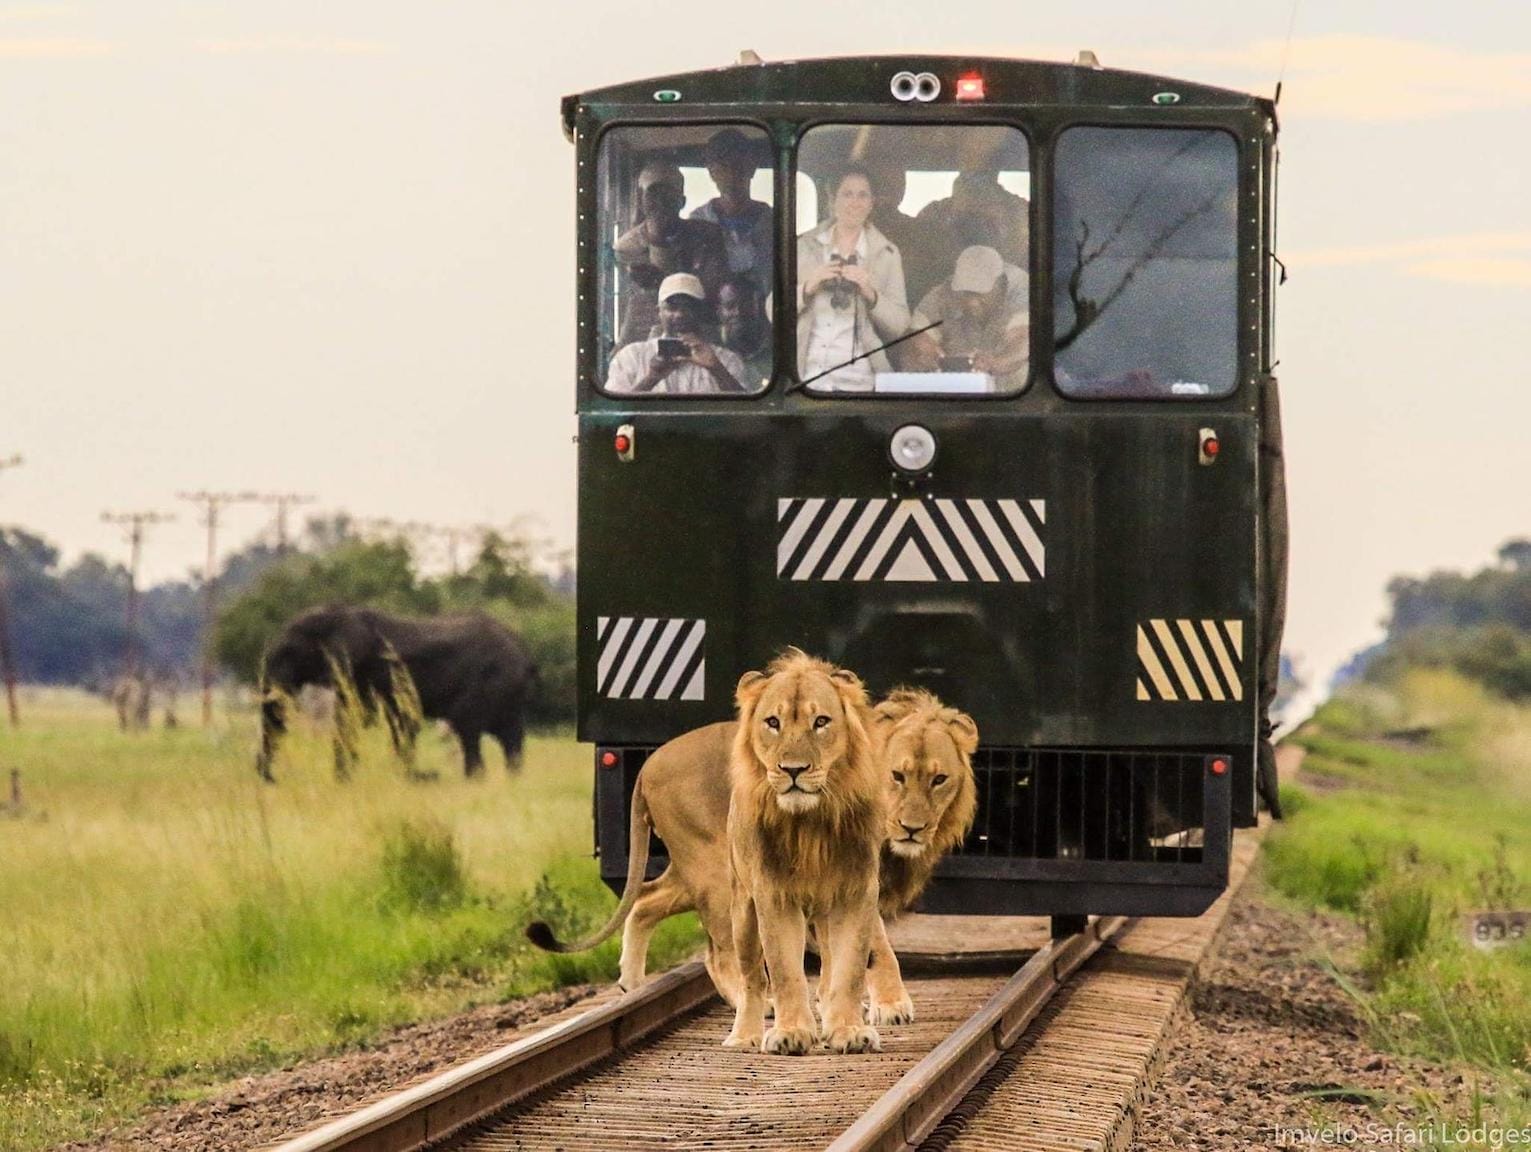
(850, 292)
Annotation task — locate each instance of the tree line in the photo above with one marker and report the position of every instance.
(69, 623)
(1478, 623)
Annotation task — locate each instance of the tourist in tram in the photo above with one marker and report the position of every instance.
(746, 223)
(851, 298)
(983, 313)
(743, 327)
(662, 243)
(982, 211)
(678, 360)
(923, 245)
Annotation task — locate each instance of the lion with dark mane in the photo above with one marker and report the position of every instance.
(806, 821)
(924, 753)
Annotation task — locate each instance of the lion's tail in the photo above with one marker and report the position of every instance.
(541, 934)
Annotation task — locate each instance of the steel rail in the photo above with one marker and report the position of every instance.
(432, 1111)
(901, 1118)
(909, 1111)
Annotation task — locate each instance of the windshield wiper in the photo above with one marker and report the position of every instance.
(801, 384)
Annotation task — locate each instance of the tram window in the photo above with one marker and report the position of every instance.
(903, 227)
(1145, 263)
(686, 232)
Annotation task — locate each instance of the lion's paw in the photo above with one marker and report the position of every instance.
(898, 1012)
(788, 1041)
(736, 1041)
(856, 1038)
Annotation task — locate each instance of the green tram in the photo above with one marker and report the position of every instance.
(957, 372)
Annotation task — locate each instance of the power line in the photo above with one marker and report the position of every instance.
(7, 664)
(212, 504)
(135, 522)
(283, 501)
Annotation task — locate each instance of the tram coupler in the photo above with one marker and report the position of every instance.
(1070, 925)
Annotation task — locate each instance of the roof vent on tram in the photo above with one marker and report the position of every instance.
(1086, 59)
(748, 56)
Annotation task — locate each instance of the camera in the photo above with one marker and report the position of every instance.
(672, 349)
(841, 293)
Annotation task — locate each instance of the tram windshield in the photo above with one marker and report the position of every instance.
(913, 259)
(1145, 263)
(687, 239)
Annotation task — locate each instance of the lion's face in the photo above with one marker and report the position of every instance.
(799, 732)
(927, 750)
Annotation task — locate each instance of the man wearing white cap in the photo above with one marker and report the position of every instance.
(985, 321)
(678, 361)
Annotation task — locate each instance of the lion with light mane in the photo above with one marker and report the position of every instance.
(806, 820)
(924, 751)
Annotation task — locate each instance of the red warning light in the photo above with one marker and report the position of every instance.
(608, 759)
(621, 443)
(1210, 445)
(1220, 766)
(970, 88)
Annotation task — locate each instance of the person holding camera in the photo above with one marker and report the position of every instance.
(850, 292)
(678, 361)
(661, 243)
(982, 318)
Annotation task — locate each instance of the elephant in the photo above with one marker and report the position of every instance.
(469, 671)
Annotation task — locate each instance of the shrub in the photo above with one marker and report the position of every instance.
(1396, 917)
(423, 868)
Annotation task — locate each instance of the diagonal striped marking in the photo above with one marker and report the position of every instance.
(853, 542)
(823, 538)
(694, 688)
(1236, 634)
(1220, 650)
(1150, 661)
(1199, 654)
(997, 541)
(656, 661)
(609, 652)
(1172, 650)
(682, 659)
(970, 548)
(937, 542)
(1143, 693)
(1040, 508)
(794, 533)
(600, 629)
(623, 673)
(1025, 534)
(884, 541)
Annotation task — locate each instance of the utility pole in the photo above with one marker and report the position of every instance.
(135, 522)
(283, 501)
(7, 664)
(212, 503)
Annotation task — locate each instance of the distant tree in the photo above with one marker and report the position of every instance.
(1516, 554)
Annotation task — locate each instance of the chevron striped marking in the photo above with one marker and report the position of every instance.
(911, 540)
(1190, 660)
(651, 658)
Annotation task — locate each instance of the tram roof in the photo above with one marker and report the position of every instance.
(864, 80)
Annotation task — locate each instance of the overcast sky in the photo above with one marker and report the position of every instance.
(329, 248)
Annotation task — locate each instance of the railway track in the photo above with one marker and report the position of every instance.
(1008, 1052)
(648, 1069)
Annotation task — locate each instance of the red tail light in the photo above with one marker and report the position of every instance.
(970, 88)
(608, 759)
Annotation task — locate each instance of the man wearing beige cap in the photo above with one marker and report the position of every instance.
(983, 310)
(678, 361)
(662, 243)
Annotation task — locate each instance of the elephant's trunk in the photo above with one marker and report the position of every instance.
(273, 722)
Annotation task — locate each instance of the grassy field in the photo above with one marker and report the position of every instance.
(1414, 809)
(168, 921)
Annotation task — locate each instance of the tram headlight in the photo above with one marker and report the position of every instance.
(912, 449)
(904, 85)
(927, 86)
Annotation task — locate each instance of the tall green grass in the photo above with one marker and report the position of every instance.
(168, 920)
(1415, 809)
